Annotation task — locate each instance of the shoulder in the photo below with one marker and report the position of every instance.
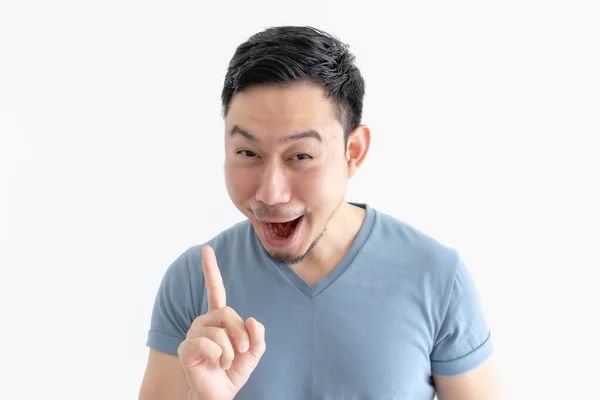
(437, 276)
(406, 243)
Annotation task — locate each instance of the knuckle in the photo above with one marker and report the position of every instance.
(189, 334)
(214, 333)
(198, 322)
(192, 332)
(228, 310)
(180, 348)
(200, 342)
(223, 338)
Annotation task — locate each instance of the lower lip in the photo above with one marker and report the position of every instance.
(279, 243)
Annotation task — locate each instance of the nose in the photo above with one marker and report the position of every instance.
(274, 187)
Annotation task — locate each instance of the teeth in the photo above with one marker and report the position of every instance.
(282, 230)
(275, 232)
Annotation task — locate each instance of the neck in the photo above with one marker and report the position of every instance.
(342, 229)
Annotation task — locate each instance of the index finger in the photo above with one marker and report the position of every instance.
(215, 290)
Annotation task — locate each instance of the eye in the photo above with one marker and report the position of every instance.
(247, 153)
(302, 156)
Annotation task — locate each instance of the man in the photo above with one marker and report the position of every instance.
(311, 297)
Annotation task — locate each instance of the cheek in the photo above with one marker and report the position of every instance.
(308, 185)
(320, 186)
(240, 184)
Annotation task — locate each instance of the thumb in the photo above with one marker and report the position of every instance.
(256, 331)
(244, 363)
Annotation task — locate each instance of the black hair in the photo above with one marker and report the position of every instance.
(286, 54)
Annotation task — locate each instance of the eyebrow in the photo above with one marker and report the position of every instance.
(311, 133)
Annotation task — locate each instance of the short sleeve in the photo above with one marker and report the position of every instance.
(174, 308)
(464, 340)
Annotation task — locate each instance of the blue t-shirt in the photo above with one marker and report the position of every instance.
(398, 308)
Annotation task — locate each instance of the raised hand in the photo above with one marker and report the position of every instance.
(221, 350)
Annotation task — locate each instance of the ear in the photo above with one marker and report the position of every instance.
(357, 148)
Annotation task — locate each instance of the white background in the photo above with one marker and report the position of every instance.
(485, 120)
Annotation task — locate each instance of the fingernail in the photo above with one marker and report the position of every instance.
(244, 346)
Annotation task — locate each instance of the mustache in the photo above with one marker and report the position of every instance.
(265, 212)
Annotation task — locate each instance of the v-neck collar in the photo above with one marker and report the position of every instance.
(313, 290)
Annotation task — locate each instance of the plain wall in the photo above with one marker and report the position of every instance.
(483, 115)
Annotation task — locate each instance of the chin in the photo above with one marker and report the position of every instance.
(286, 258)
(292, 254)
(286, 249)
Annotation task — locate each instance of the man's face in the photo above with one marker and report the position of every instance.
(285, 164)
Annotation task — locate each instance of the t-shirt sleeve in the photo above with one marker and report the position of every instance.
(463, 341)
(175, 307)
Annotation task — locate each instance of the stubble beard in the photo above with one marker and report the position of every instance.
(293, 260)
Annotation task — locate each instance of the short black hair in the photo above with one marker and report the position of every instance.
(286, 54)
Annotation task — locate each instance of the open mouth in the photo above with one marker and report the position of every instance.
(282, 230)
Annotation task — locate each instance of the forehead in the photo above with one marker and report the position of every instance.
(278, 110)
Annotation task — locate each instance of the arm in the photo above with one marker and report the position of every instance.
(481, 383)
(175, 307)
(164, 378)
(218, 352)
(461, 358)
